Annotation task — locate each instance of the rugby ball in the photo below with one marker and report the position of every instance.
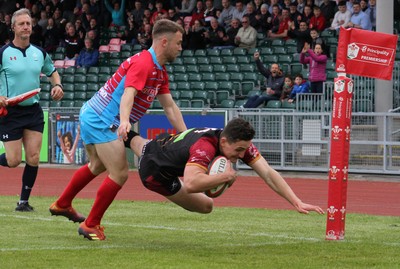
(217, 166)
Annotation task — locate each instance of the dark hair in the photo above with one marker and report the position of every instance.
(299, 75)
(68, 135)
(342, 3)
(165, 26)
(238, 129)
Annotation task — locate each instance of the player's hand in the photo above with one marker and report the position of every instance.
(57, 93)
(3, 101)
(231, 173)
(306, 208)
(123, 130)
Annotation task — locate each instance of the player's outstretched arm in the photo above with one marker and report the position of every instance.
(172, 112)
(280, 186)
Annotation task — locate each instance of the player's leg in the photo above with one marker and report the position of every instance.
(13, 153)
(196, 202)
(82, 177)
(113, 156)
(32, 141)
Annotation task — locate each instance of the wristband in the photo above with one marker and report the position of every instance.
(59, 85)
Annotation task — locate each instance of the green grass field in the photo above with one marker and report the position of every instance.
(162, 235)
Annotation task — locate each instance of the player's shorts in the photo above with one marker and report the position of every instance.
(154, 177)
(20, 118)
(93, 129)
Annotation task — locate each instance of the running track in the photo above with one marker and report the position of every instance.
(373, 196)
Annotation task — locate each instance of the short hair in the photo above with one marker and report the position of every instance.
(19, 12)
(165, 26)
(342, 3)
(299, 75)
(238, 129)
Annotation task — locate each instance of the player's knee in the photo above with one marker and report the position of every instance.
(13, 162)
(33, 159)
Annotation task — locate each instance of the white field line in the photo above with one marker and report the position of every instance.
(154, 227)
(288, 239)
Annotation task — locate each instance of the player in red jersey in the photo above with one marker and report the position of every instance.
(108, 116)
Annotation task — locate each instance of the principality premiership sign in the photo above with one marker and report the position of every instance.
(366, 53)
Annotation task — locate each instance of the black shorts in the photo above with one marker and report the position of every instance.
(18, 119)
(154, 177)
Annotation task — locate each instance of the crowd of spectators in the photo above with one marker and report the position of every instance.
(215, 23)
(76, 25)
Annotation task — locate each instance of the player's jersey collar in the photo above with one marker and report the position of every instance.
(153, 55)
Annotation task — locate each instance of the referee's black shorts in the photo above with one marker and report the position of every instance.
(19, 118)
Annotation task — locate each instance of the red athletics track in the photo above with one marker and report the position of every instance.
(372, 195)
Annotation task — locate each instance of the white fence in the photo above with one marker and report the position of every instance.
(300, 141)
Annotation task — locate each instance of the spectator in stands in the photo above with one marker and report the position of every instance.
(52, 36)
(43, 19)
(88, 56)
(9, 31)
(307, 14)
(302, 35)
(274, 3)
(342, 16)
(300, 86)
(300, 6)
(86, 18)
(318, 21)
(262, 25)
(239, 11)
(283, 26)
(79, 28)
(328, 8)
(93, 26)
(73, 44)
(251, 14)
(229, 38)
(92, 34)
(94, 8)
(117, 12)
(275, 19)
(215, 34)
(195, 35)
(317, 66)
(316, 39)
(36, 35)
(226, 15)
(371, 12)
(145, 37)
(138, 12)
(3, 34)
(209, 10)
(287, 88)
(294, 15)
(35, 12)
(273, 84)
(247, 35)
(158, 13)
(359, 19)
(198, 12)
(187, 7)
(58, 19)
(131, 32)
(172, 15)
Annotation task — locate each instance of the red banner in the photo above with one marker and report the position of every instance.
(366, 53)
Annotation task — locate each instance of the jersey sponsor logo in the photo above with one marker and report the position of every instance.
(5, 136)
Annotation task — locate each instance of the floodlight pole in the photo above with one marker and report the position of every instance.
(339, 157)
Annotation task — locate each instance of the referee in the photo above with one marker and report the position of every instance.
(21, 65)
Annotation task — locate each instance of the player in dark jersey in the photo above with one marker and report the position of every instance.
(188, 155)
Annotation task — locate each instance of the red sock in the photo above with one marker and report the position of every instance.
(105, 196)
(78, 181)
